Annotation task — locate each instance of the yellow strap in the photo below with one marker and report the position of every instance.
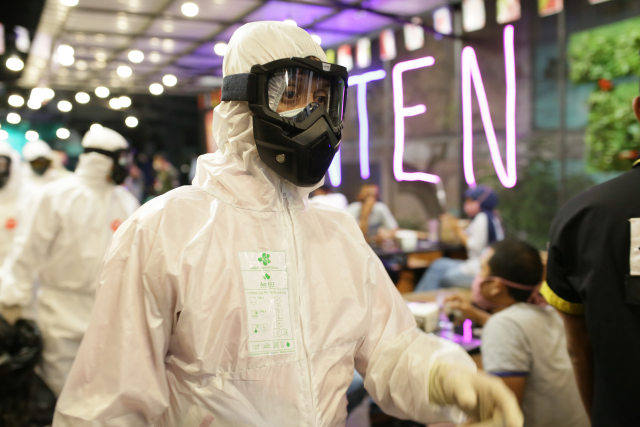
(559, 303)
(636, 163)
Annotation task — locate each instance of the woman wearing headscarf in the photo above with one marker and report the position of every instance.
(485, 228)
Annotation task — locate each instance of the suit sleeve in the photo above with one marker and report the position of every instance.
(118, 377)
(396, 357)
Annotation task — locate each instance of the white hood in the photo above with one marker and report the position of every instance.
(12, 187)
(237, 155)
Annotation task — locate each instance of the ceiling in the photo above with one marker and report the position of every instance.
(102, 33)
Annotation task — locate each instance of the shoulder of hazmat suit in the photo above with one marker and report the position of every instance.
(235, 302)
(73, 222)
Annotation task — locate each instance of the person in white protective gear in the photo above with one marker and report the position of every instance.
(233, 301)
(63, 248)
(40, 160)
(12, 199)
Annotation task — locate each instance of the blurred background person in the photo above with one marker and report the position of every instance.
(485, 228)
(374, 217)
(325, 195)
(524, 341)
(41, 164)
(166, 175)
(12, 199)
(64, 245)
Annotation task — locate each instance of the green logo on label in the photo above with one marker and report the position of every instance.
(288, 344)
(264, 259)
(266, 276)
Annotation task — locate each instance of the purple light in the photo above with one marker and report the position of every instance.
(471, 70)
(400, 113)
(467, 331)
(361, 81)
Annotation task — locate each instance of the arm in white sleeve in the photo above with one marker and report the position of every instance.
(118, 377)
(395, 358)
(30, 250)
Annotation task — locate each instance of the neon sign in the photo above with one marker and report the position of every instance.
(400, 113)
(470, 72)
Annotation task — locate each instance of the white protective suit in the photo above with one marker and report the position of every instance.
(31, 151)
(12, 202)
(234, 302)
(64, 247)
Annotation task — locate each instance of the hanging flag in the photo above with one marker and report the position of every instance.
(507, 11)
(473, 15)
(442, 20)
(363, 52)
(387, 45)
(345, 58)
(550, 7)
(413, 36)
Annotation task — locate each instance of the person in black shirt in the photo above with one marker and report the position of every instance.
(593, 279)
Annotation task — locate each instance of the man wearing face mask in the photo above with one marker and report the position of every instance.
(524, 342)
(248, 306)
(63, 246)
(41, 170)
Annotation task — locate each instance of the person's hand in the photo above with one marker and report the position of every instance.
(463, 305)
(11, 313)
(486, 400)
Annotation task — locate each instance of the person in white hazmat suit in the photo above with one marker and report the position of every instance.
(234, 302)
(12, 199)
(64, 246)
(40, 168)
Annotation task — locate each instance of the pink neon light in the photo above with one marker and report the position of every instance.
(363, 117)
(360, 80)
(400, 113)
(467, 331)
(471, 70)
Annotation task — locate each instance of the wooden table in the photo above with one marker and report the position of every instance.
(437, 296)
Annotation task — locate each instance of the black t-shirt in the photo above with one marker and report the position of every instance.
(588, 270)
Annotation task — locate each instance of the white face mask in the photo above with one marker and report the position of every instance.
(292, 113)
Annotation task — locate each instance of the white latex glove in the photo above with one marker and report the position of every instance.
(485, 399)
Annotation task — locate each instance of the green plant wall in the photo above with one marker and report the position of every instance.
(610, 56)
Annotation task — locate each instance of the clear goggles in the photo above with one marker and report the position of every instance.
(296, 92)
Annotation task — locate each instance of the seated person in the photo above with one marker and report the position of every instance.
(485, 228)
(524, 341)
(374, 217)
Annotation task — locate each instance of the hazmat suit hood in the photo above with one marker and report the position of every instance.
(34, 149)
(12, 187)
(251, 44)
(96, 167)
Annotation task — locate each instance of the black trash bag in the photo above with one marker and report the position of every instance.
(24, 399)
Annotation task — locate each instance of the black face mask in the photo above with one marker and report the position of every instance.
(40, 165)
(121, 163)
(5, 170)
(299, 147)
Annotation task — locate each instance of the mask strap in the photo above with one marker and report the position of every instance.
(238, 87)
(534, 297)
(111, 154)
